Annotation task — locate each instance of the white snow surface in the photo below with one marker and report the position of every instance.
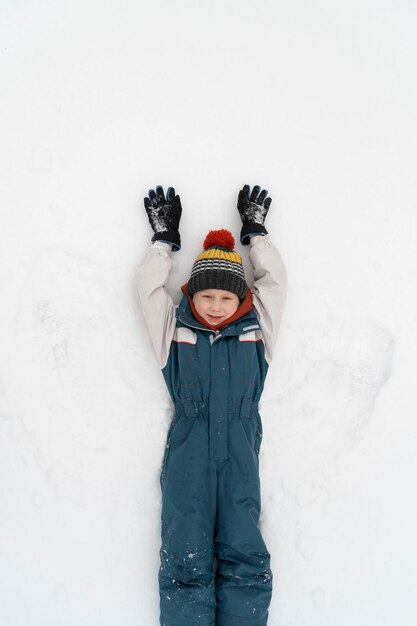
(101, 101)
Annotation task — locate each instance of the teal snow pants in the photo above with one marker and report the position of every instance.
(210, 508)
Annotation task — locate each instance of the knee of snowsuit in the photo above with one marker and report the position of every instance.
(210, 475)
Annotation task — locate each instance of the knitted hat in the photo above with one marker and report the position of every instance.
(218, 266)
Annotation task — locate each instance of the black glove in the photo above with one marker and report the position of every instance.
(253, 210)
(164, 216)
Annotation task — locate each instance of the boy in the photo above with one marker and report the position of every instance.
(214, 351)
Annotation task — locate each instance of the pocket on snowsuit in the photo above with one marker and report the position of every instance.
(179, 431)
(174, 421)
(252, 425)
(258, 436)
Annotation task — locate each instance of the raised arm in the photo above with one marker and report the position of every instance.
(153, 270)
(269, 290)
(270, 287)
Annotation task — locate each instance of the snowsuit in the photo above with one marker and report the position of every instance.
(210, 469)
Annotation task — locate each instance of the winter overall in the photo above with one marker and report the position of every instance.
(210, 470)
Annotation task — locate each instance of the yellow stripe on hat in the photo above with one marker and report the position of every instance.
(215, 253)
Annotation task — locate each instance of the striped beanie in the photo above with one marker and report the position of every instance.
(218, 266)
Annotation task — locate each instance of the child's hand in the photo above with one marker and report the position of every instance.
(164, 215)
(252, 209)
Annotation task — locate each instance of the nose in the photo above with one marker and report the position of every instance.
(215, 306)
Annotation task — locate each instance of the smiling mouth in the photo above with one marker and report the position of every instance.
(215, 317)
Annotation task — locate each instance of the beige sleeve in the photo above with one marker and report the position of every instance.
(157, 305)
(269, 290)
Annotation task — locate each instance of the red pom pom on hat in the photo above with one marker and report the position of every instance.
(222, 238)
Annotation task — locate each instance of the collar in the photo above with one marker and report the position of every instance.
(187, 314)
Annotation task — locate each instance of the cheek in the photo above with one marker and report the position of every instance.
(199, 305)
(231, 307)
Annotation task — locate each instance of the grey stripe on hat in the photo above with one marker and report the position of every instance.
(216, 265)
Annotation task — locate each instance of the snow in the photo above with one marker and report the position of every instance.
(315, 102)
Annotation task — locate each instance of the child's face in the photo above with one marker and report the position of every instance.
(215, 305)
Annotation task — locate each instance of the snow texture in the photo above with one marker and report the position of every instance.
(316, 103)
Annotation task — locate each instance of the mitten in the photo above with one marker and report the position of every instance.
(252, 209)
(164, 215)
